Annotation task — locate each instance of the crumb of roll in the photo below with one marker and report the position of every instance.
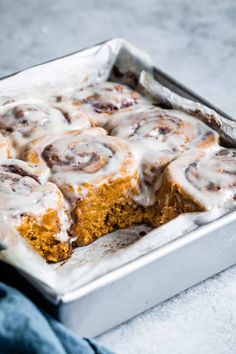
(40, 233)
(108, 208)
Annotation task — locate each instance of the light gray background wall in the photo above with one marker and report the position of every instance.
(195, 41)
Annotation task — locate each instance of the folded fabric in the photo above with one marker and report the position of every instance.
(26, 330)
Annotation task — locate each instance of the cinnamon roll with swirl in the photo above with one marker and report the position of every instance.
(197, 181)
(99, 176)
(24, 121)
(101, 101)
(33, 210)
(160, 135)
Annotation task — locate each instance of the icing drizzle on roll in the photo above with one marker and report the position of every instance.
(21, 189)
(84, 158)
(23, 194)
(158, 136)
(209, 177)
(23, 121)
(173, 130)
(102, 100)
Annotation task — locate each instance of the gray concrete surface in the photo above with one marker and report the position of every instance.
(195, 41)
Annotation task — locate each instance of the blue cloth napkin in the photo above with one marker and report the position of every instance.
(26, 330)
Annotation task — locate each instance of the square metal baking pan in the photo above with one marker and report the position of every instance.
(135, 287)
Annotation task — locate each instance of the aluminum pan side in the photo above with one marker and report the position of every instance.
(152, 279)
(161, 252)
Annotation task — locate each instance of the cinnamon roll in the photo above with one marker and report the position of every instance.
(101, 101)
(159, 136)
(33, 210)
(197, 181)
(23, 121)
(99, 176)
